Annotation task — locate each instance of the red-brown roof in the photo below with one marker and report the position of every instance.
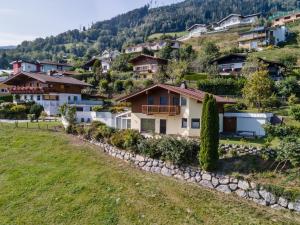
(143, 56)
(44, 78)
(190, 92)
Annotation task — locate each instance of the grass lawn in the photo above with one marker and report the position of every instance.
(51, 178)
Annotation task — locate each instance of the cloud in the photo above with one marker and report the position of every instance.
(13, 38)
(8, 12)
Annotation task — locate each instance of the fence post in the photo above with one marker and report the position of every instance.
(27, 125)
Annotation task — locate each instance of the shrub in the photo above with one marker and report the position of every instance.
(36, 110)
(31, 117)
(272, 102)
(43, 115)
(97, 108)
(149, 148)
(126, 139)
(6, 98)
(292, 100)
(281, 131)
(295, 112)
(178, 151)
(289, 151)
(71, 129)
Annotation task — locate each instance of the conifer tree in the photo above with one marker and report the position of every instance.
(209, 155)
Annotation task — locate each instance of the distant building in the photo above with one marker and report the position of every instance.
(46, 66)
(50, 91)
(3, 89)
(152, 46)
(232, 64)
(197, 30)
(260, 37)
(106, 59)
(144, 66)
(236, 20)
(286, 19)
(38, 66)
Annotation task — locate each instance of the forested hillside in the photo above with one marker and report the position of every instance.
(135, 26)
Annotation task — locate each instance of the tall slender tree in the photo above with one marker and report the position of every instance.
(209, 155)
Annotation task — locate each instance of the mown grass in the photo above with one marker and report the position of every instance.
(50, 178)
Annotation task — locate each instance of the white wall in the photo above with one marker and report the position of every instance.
(105, 117)
(280, 34)
(252, 122)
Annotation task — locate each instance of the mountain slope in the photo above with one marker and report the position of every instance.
(135, 26)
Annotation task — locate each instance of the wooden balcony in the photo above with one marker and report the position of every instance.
(171, 110)
(28, 90)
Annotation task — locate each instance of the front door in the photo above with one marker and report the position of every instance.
(230, 124)
(163, 127)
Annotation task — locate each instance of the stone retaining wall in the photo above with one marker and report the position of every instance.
(219, 182)
(246, 150)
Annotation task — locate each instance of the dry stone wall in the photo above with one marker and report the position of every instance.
(218, 182)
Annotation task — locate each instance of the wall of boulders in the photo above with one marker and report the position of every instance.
(219, 182)
(247, 150)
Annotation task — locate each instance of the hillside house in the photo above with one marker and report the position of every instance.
(197, 30)
(232, 64)
(236, 20)
(25, 66)
(290, 18)
(260, 37)
(144, 66)
(152, 46)
(106, 58)
(38, 66)
(166, 109)
(50, 91)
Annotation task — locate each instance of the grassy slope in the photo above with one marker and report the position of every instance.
(48, 178)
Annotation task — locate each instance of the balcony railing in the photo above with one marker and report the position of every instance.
(86, 102)
(27, 90)
(171, 110)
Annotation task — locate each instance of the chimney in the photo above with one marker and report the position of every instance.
(183, 85)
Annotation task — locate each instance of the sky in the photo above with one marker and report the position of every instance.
(28, 19)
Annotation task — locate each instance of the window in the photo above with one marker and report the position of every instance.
(38, 98)
(184, 123)
(163, 100)
(148, 125)
(150, 100)
(75, 98)
(88, 120)
(69, 98)
(82, 120)
(195, 124)
(183, 101)
(175, 101)
(79, 109)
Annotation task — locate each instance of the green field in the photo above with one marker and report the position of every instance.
(50, 178)
(158, 35)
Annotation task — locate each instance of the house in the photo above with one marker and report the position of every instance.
(197, 30)
(25, 66)
(289, 18)
(50, 91)
(144, 66)
(232, 64)
(46, 66)
(107, 57)
(167, 109)
(236, 20)
(260, 37)
(152, 46)
(38, 66)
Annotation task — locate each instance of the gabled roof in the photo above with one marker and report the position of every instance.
(44, 78)
(54, 63)
(143, 56)
(24, 61)
(242, 55)
(238, 15)
(189, 92)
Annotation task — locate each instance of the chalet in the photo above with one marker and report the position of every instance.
(260, 37)
(197, 30)
(166, 109)
(47, 90)
(38, 66)
(289, 18)
(236, 20)
(144, 66)
(106, 59)
(152, 46)
(232, 64)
